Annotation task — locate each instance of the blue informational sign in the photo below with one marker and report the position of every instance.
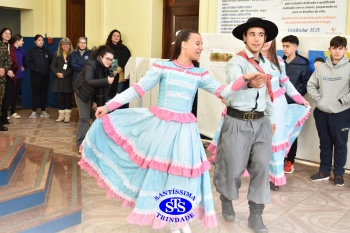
(280, 53)
(316, 55)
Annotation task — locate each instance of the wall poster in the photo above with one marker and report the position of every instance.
(291, 16)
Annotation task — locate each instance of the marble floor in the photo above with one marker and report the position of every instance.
(300, 206)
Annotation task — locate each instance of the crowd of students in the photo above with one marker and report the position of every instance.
(65, 65)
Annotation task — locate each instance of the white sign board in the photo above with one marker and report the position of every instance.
(291, 16)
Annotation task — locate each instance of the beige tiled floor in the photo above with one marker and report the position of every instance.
(300, 206)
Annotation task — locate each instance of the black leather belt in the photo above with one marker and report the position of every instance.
(245, 116)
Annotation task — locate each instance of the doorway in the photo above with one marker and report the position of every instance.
(75, 20)
(177, 15)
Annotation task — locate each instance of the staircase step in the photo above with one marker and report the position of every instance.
(29, 184)
(63, 203)
(11, 152)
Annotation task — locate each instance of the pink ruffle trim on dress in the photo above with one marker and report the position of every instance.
(303, 118)
(285, 79)
(298, 98)
(167, 115)
(224, 112)
(212, 148)
(285, 145)
(279, 92)
(239, 83)
(278, 181)
(113, 105)
(100, 182)
(281, 146)
(138, 89)
(219, 90)
(144, 219)
(208, 221)
(143, 162)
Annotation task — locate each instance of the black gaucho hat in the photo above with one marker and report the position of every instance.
(270, 28)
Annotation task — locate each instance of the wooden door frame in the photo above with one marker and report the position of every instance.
(168, 22)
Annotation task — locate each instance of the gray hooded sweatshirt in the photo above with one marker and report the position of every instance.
(329, 86)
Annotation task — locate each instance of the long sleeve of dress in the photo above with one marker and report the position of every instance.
(152, 78)
(146, 83)
(286, 84)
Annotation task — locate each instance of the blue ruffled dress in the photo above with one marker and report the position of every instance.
(145, 155)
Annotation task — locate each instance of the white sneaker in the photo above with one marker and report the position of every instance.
(175, 229)
(15, 116)
(44, 114)
(33, 115)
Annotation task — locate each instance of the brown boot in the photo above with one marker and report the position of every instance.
(60, 116)
(67, 115)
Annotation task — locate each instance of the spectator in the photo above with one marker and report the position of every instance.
(5, 36)
(92, 84)
(122, 55)
(5, 64)
(329, 87)
(61, 67)
(38, 60)
(17, 43)
(80, 56)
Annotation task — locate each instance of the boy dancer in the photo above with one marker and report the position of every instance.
(246, 136)
(298, 71)
(329, 87)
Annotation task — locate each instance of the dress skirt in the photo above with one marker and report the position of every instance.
(142, 160)
(289, 121)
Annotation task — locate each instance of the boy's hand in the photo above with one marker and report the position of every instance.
(258, 81)
(250, 76)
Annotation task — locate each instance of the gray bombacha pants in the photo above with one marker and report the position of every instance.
(244, 144)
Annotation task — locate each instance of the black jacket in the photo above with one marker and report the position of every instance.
(92, 82)
(38, 60)
(62, 85)
(298, 71)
